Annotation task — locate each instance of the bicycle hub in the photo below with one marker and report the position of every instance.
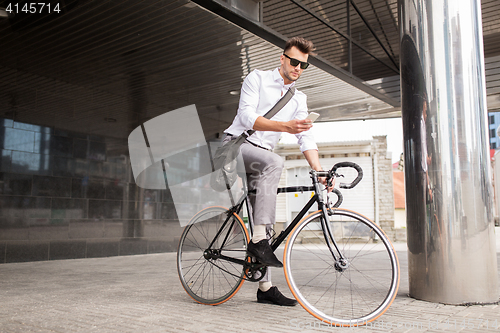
(341, 265)
(211, 254)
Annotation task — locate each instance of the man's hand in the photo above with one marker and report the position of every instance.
(295, 126)
(322, 180)
(312, 158)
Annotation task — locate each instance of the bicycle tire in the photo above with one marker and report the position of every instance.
(207, 280)
(356, 296)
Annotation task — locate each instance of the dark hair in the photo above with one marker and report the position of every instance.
(304, 45)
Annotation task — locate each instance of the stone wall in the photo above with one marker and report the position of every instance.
(383, 175)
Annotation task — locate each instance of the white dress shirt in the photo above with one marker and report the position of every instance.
(261, 90)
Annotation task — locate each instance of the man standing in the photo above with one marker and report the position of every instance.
(259, 93)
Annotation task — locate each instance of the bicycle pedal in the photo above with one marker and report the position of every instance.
(251, 259)
(255, 263)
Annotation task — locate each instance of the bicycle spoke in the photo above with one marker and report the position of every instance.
(195, 244)
(324, 260)
(367, 278)
(201, 265)
(370, 253)
(201, 262)
(337, 277)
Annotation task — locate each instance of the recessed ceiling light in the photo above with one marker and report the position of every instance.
(234, 92)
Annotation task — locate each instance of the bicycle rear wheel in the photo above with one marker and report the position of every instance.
(207, 278)
(342, 296)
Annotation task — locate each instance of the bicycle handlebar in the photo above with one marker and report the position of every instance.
(358, 178)
(339, 198)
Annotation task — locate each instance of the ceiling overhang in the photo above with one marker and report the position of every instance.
(132, 61)
(259, 29)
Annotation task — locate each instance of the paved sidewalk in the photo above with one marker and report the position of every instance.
(143, 294)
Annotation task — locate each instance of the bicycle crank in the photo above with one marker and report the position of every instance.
(255, 271)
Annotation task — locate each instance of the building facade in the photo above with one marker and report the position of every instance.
(372, 197)
(494, 124)
(66, 194)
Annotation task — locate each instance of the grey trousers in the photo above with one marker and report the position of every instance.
(263, 168)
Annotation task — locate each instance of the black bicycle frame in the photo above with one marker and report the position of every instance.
(282, 236)
(325, 226)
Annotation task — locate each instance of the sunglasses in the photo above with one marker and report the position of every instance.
(295, 62)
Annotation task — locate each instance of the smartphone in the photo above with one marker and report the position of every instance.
(312, 117)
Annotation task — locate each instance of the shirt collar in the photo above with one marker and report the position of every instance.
(277, 77)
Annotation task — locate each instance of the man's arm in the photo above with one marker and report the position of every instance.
(293, 126)
(312, 157)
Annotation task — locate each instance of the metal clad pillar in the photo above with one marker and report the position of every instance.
(450, 227)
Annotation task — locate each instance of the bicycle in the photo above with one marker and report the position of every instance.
(339, 265)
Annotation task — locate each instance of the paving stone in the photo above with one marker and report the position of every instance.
(143, 294)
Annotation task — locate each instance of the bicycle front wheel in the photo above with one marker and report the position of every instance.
(351, 293)
(206, 277)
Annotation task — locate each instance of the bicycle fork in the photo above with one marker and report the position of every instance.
(341, 263)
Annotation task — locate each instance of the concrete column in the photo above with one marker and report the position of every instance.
(449, 198)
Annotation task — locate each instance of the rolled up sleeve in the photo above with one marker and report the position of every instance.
(305, 139)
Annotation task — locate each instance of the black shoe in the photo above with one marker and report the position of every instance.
(263, 252)
(274, 296)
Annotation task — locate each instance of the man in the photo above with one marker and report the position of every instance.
(259, 93)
